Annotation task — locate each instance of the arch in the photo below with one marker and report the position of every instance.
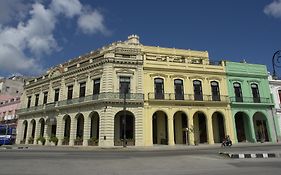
(215, 88)
(95, 125)
(199, 127)
(159, 88)
(242, 126)
(79, 129)
(197, 90)
(261, 127)
(218, 123)
(25, 125)
(51, 126)
(180, 128)
(67, 124)
(42, 127)
(160, 128)
(124, 120)
(33, 125)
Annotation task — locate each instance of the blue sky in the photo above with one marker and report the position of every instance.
(38, 34)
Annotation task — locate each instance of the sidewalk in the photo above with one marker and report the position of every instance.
(149, 148)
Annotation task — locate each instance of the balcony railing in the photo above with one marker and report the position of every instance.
(110, 96)
(187, 97)
(249, 100)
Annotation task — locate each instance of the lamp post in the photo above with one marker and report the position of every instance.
(276, 62)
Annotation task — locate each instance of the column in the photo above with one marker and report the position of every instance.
(29, 129)
(252, 130)
(87, 128)
(60, 129)
(171, 140)
(190, 131)
(46, 131)
(37, 131)
(73, 128)
(19, 131)
(210, 130)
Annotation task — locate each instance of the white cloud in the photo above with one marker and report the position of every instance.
(69, 8)
(35, 34)
(273, 9)
(92, 22)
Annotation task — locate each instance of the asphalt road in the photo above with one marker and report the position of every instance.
(130, 162)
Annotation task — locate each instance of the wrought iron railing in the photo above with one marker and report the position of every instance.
(187, 97)
(110, 96)
(249, 100)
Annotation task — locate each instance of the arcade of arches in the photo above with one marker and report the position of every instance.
(78, 130)
(183, 129)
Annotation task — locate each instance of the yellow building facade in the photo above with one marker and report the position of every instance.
(185, 98)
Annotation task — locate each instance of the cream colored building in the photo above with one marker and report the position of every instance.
(173, 96)
(84, 98)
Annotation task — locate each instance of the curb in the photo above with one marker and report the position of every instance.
(251, 155)
(19, 147)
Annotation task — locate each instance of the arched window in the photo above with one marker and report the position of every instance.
(197, 87)
(159, 88)
(238, 92)
(255, 92)
(179, 93)
(215, 91)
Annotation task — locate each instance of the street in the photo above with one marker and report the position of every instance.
(129, 162)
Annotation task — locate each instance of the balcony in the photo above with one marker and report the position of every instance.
(250, 100)
(187, 98)
(109, 97)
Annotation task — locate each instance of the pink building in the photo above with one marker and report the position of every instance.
(8, 107)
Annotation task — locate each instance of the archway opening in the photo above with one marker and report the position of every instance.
(52, 126)
(200, 130)
(180, 128)
(160, 128)
(261, 127)
(242, 127)
(25, 125)
(218, 124)
(33, 127)
(124, 127)
(66, 135)
(80, 129)
(42, 127)
(94, 131)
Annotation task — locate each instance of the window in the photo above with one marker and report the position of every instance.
(197, 87)
(124, 86)
(255, 93)
(215, 91)
(96, 89)
(57, 93)
(36, 99)
(159, 88)
(28, 101)
(69, 92)
(238, 92)
(82, 89)
(45, 99)
(178, 85)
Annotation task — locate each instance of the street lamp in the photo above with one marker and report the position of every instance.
(276, 62)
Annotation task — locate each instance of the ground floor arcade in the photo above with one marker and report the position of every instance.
(105, 126)
(186, 125)
(254, 125)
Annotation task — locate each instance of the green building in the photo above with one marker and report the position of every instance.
(251, 103)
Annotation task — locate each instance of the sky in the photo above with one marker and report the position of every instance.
(36, 35)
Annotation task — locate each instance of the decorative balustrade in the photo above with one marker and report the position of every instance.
(106, 96)
(249, 100)
(187, 97)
